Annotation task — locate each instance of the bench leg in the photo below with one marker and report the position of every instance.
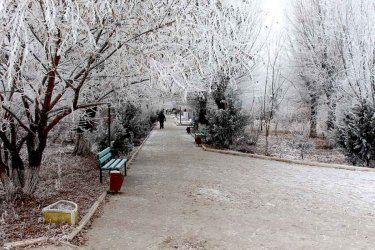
(101, 176)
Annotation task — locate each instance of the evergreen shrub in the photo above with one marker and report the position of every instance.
(226, 126)
(356, 134)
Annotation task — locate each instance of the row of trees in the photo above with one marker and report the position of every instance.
(57, 57)
(332, 47)
(328, 58)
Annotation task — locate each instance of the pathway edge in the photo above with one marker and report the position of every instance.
(299, 162)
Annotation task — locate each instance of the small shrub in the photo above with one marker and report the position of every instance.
(302, 143)
(300, 139)
(129, 126)
(225, 126)
(153, 118)
(243, 144)
(356, 134)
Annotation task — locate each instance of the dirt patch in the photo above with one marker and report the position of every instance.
(62, 177)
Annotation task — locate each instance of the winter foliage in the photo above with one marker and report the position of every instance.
(227, 125)
(58, 58)
(77, 76)
(356, 134)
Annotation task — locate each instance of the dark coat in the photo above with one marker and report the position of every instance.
(161, 117)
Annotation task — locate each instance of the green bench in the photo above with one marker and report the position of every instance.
(202, 133)
(106, 162)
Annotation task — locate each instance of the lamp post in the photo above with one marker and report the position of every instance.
(109, 124)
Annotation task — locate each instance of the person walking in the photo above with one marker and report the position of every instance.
(162, 119)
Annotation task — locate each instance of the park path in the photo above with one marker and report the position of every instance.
(177, 196)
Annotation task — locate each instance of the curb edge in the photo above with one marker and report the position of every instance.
(299, 162)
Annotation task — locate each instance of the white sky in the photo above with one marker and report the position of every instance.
(275, 12)
(275, 15)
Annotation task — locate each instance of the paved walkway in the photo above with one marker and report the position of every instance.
(178, 196)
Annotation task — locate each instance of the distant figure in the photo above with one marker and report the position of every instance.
(162, 119)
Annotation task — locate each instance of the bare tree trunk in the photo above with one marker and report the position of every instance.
(35, 151)
(18, 178)
(82, 146)
(313, 116)
(8, 186)
(18, 171)
(31, 180)
(276, 125)
(267, 127)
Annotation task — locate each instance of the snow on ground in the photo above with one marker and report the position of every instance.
(279, 147)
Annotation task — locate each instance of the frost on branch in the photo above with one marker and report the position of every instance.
(61, 56)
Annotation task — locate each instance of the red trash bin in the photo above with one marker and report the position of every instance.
(115, 181)
(198, 140)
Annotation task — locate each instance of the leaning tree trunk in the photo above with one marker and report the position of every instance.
(82, 145)
(313, 116)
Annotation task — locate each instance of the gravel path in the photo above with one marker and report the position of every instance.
(176, 196)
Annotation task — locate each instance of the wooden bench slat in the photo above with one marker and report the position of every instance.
(117, 164)
(107, 164)
(105, 158)
(122, 162)
(104, 152)
(113, 165)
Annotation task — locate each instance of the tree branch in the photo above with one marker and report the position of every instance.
(130, 39)
(66, 111)
(17, 119)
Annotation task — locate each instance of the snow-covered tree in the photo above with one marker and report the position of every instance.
(57, 57)
(355, 38)
(228, 46)
(227, 124)
(274, 89)
(50, 50)
(315, 56)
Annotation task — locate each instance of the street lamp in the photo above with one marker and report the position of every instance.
(109, 124)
